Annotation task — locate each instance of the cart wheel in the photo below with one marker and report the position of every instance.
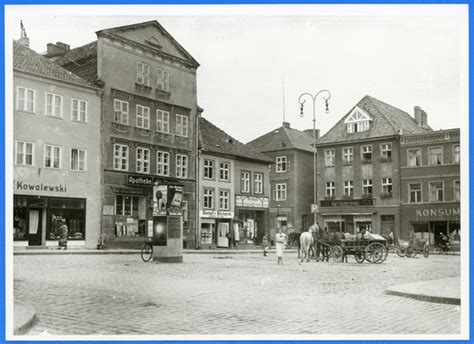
(385, 254)
(147, 251)
(426, 251)
(375, 252)
(337, 253)
(411, 252)
(359, 256)
(401, 252)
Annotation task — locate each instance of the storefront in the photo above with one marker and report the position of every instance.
(251, 219)
(216, 228)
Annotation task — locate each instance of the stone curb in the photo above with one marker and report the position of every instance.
(104, 252)
(24, 318)
(424, 291)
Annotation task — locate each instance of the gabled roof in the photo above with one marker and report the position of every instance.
(387, 120)
(283, 138)
(29, 61)
(214, 140)
(81, 61)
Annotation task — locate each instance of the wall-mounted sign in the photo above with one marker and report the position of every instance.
(428, 212)
(136, 180)
(216, 214)
(21, 185)
(251, 201)
(347, 202)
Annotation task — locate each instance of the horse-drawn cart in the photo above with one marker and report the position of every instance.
(372, 250)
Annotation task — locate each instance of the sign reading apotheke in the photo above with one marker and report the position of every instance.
(140, 180)
(251, 201)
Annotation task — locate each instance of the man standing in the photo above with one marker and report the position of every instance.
(63, 235)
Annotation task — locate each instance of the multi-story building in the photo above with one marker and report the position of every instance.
(57, 160)
(234, 190)
(291, 176)
(359, 167)
(430, 185)
(148, 124)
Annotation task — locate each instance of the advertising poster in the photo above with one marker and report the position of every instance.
(175, 197)
(160, 199)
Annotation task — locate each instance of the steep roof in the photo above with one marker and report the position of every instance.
(81, 61)
(215, 140)
(29, 61)
(281, 138)
(387, 120)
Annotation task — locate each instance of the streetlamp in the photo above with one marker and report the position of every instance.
(326, 96)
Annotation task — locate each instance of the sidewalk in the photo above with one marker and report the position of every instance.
(24, 318)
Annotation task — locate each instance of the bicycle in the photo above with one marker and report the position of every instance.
(147, 251)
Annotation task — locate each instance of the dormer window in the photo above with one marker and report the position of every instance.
(357, 121)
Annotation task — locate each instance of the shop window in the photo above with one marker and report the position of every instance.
(436, 192)
(207, 231)
(224, 171)
(79, 110)
(282, 164)
(52, 156)
(143, 74)
(414, 191)
(414, 157)
(457, 154)
(25, 99)
(162, 121)
(245, 182)
(421, 231)
(78, 159)
(20, 218)
(258, 183)
(457, 190)
(71, 210)
(330, 189)
(329, 156)
(279, 194)
(224, 199)
(163, 80)
(126, 205)
(181, 166)
(182, 125)
(367, 189)
(348, 188)
(24, 153)
(347, 155)
(208, 198)
(208, 169)
(162, 163)
(386, 151)
(120, 157)
(435, 155)
(143, 117)
(143, 160)
(54, 105)
(366, 154)
(281, 221)
(120, 111)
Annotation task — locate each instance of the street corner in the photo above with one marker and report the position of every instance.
(24, 318)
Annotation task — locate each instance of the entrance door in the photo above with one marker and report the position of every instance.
(437, 228)
(222, 231)
(34, 227)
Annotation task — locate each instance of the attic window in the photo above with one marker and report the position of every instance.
(229, 140)
(357, 121)
(153, 42)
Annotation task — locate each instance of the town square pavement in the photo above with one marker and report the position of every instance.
(245, 294)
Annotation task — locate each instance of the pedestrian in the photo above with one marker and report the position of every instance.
(280, 239)
(63, 235)
(265, 245)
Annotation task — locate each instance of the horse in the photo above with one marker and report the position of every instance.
(306, 242)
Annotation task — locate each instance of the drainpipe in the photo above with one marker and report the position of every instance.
(197, 202)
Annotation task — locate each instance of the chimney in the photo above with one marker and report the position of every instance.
(57, 49)
(286, 125)
(421, 117)
(310, 131)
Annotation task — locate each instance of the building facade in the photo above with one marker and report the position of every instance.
(233, 190)
(57, 160)
(359, 168)
(149, 120)
(291, 177)
(431, 185)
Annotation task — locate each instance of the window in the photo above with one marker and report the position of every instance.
(143, 160)
(367, 187)
(79, 110)
(54, 105)
(120, 111)
(184, 205)
(348, 188)
(208, 201)
(329, 157)
(347, 155)
(435, 155)
(120, 157)
(457, 154)
(162, 121)
(24, 153)
(386, 150)
(181, 166)
(162, 163)
(330, 189)
(258, 183)
(209, 169)
(182, 125)
(357, 121)
(457, 190)
(126, 205)
(163, 82)
(386, 186)
(366, 152)
(143, 117)
(414, 191)
(282, 164)
(143, 74)
(436, 191)
(25, 99)
(224, 198)
(414, 157)
(78, 159)
(52, 156)
(224, 171)
(280, 192)
(245, 182)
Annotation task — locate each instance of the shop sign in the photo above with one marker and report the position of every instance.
(167, 199)
(217, 214)
(251, 201)
(140, 180)
(21, 185)
(347, 202)
(429, 212)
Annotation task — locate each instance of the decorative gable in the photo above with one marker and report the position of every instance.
(357, 121)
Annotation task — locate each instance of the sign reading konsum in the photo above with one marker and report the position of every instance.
(430, 212)
(251, 201)
(140, 180)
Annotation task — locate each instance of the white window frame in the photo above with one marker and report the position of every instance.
(416, 192)
(142, 160)
(258, 183)
(280, 192)
(25, 100)
(143, 73)
(429, 156)
(182, 125)
(282, 164)
(54, 109)
(347, 155)
(420, 156)
(162, 121)
(366, 184)
(330, 189)
(121, 115)
(162, 163)
(143, 114)
(181, 166)
(209, 169)
(53, 149)
(208, 198)
(456, 156)
(24, 154)
(245, 181)
(120, 159)
(224, 171)
(363, 151)
(349, 188)
(430, 184)
(386, 150)
(329, 157)
(78, 111)
(457, 191)
(357, 121)
(132, 203)
(224, 199)
(163, 80)
(386, 183)
(84, 160)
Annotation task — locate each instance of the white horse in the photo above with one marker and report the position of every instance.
(306, 242)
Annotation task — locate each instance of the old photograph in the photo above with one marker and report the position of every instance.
(236, 172)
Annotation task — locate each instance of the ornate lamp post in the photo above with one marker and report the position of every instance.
(301, 100)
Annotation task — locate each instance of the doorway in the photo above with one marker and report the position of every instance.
(222, 234)
(437, 228)
(34, 227)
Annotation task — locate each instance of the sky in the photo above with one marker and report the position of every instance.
(256, 60)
